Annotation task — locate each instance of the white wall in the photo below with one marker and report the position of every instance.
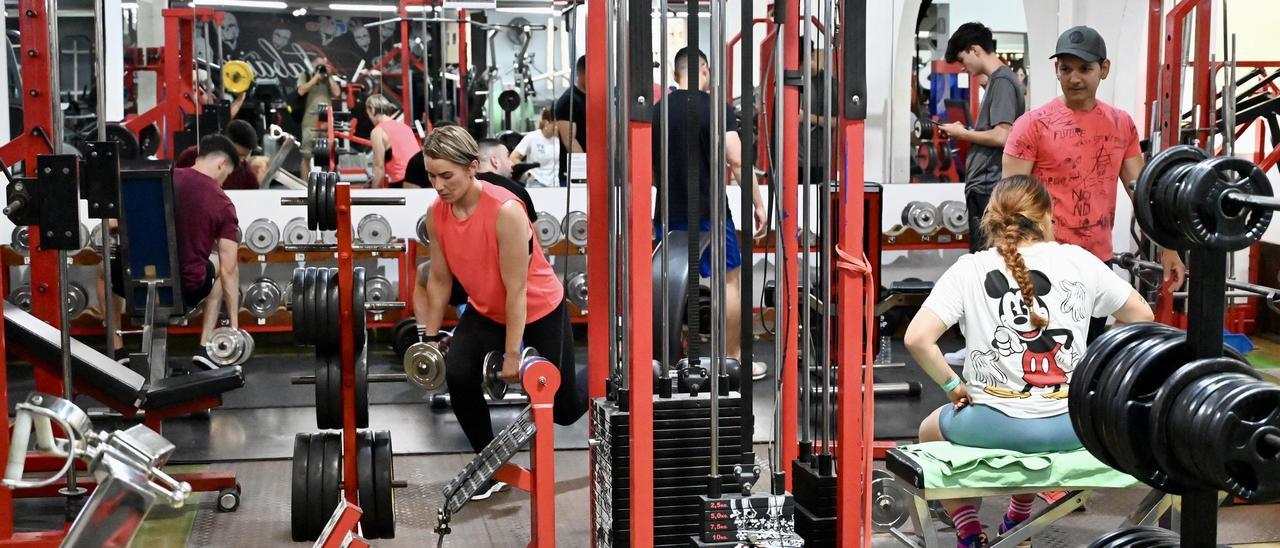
(999, 15)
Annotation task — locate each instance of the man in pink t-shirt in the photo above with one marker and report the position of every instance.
(1078, 146)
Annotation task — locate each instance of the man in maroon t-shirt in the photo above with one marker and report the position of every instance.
(248, 171)
(205, 221)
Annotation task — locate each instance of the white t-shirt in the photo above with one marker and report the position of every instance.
(1013, 366)
(536, 147)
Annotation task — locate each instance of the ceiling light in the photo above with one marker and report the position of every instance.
(299, 12)
(263, 4)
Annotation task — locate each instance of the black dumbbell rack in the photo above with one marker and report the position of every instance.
(1206, 302)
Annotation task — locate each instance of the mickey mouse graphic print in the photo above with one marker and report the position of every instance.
(1020, 369)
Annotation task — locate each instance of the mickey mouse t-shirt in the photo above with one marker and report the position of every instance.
(1012, 365)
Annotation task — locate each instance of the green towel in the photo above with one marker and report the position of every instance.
(950, 466)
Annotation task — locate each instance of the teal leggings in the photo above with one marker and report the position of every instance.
(985, 426)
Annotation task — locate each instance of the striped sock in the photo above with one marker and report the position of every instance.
(966, 520)
(1019, 511)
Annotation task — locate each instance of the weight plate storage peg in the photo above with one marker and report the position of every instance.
(262, 236)
(296, 232)
(373, 229)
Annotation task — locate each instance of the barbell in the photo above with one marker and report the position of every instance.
(1184, 199)
(237, 77)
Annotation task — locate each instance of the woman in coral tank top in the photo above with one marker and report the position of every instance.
(481, 236)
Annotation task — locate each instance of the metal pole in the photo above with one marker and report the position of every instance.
(718, 225)
(426, 80)
(664, 204)
(622, 121)
(1229, 100)
(806, 140)
(100, 75)
(828, 243)
(779, 273)
(613, 152)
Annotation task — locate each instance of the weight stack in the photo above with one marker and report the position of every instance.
(763, 520)
(815, 504)
(681, 464)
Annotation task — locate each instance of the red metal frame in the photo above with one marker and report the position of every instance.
(346, 274)
(540, 380)
(176, 89)
(597, 238)
(1170, 70)
(790, 242)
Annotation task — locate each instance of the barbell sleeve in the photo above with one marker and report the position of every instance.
(385, 248)
(302, 248)
(13, 206)
(293, 201)
(384, 305)
(379, 201)
(1254, 200)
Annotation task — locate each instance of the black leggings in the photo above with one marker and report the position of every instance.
(475, 336)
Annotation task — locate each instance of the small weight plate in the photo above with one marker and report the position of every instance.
(547, 229)
(296, 232)
(374, 229)
(1145, 190)
(295, 290)
(1204, 449)
(384, 473)
(322, 394)
(332, 472)
(262, 236)
(315, 486)
(368, 496)
(422, 231)
(494, 386)
(1185, 416)
(1212, 220)
(890, 506)
(20, 239)
(299, 514)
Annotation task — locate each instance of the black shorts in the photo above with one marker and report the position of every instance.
(190, 297)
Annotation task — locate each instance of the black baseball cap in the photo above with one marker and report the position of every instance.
(1082, 42)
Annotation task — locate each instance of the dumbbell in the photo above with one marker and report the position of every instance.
(493, 385)
(424, 362)
(229, 346)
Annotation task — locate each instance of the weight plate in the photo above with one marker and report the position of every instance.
(384, 470)
(319, 312)
(362, 388)
(926, 157)
(322, 394)
(308, 309)
(20, 240)
(576, 289)
(130, 149)
(336, 395)
(400, 340)
(296, 232)
(574, 227)
(299, 522)
(313, 201)
(1184, 416)
(149, 140)
(335, 312)
(1151, 214)
(1098, 356)
(1174, 198)
(373, 229)
(295, 301)
(331, 202)
(944, 155)
(225, 346)
(1245, 458)
(315, 486)
(921, 217)
(1204, 449)
(955, 216)
(890, 506)
(422, 230)
(547, 228)
(358, 314)
(494, 386)
(379, 289)
(248, 347)
(368, 496)
(332, 472)
(1102, 409)
(262, 298)
(1167, 399)
(1215, 221)
(21, 297)
(262, 236)
(1130, 400)
(77, 299)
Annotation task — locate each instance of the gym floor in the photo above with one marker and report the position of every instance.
(252, 435)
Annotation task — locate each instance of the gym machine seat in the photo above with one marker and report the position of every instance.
(123, 389)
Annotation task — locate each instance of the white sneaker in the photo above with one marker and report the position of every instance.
(493, 487)
(956, 358)
(758, 370)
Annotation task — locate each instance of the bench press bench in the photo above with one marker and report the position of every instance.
(925, 475)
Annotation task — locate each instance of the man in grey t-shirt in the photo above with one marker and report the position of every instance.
(973, 46)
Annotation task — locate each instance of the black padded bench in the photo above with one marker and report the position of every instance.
(116, 385)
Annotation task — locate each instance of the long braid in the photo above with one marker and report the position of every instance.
(1007, 247)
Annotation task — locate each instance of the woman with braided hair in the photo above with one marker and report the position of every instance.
(1024, 306)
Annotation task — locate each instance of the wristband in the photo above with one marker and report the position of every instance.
(951, 384)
